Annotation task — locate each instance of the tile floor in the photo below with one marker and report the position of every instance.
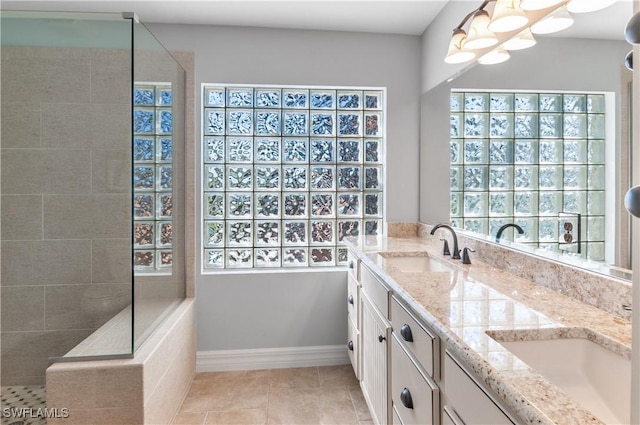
(20, 405)
(328, 395)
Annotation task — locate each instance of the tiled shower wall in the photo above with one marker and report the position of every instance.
(65, 178)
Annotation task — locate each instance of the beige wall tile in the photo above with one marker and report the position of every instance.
(86, 217)
(84, 306)
(46, 262)
(21, 125)
(21, 79)
(67, 126)
(73, 388)
(22, 308)
(66, 80)
(21, 217)
(110, 126)
(111, 76)
(27, 171)
(167, 396)
(111, 260)
(84, 125)
(119, 386)
(27, 353)
(111, 171)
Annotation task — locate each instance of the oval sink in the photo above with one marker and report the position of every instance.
(595, 377)
(415, 263)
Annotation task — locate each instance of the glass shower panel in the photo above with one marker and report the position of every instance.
(65, 190)
(158, 184)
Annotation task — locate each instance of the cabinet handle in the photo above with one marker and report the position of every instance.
(405, 398)
(405, 331)
(350, 299)
(350, 345)
(381, 338)
(351, 264)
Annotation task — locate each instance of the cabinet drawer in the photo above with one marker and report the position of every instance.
(415, 397)
(353, 298)
(353, 346)
(470, 402)
(418, 340)
(353, 263)
(375, 290)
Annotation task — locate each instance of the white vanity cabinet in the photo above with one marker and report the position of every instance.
(407, 374)
(375, 334)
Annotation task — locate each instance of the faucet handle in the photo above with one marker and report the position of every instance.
(445, 247)
(465, 255)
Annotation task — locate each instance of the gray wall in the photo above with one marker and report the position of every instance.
(553, 64)
(289, 309)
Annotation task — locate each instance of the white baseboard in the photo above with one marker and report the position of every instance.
(271, 358)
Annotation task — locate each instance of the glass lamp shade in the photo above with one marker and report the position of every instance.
(632, 30)
(584, 6)
(507, 16)
(538, 4)
(557, 21)
(480, 36)
(457, 52)
(496, 56)
(520, 41)
(628, 61)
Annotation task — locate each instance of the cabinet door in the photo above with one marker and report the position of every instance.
(374, 336)
(414, 397)
(353, 345)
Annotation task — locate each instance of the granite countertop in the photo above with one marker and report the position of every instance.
(469, 302)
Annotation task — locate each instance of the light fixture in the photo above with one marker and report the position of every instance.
(495, 56)
(480, 36)
(632, 30)
(584, 6)
(538, 4)
(512, 27)
(559, 20)
(507, 16)
(457, 52)
(523, 40)
(628, 61)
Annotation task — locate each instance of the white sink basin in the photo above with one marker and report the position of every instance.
(592, 375)
(415, 263)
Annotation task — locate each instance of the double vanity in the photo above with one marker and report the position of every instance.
(435, 341)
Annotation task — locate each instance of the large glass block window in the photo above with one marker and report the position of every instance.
(152, 177)
(289, 172)
(527, 158)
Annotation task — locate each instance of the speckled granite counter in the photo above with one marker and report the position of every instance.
(470, 302)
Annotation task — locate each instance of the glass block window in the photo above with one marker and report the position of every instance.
(288, 172)
(525, 158)
(152, 177)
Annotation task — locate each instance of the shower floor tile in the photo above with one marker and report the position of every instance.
(20, 405)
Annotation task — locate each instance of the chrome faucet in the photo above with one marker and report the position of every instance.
(504, 226)
(455, 252)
